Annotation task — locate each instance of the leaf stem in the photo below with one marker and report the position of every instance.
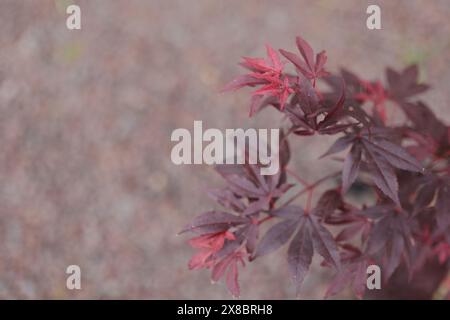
(297, 177)
(308, 188)
(264, 220)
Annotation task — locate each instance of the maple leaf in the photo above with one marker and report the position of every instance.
(278, 235)
(306, 96)
(213, 221)
(357, 91)
(352, 273)
(284, 155)
(309, 67)
(438, 188)
(353, 86)
(311, 236)
(391, 237)
(276, 87)
(442, 250)
(243, 81)
(323, 241)
(229, 266)
(269, 75)
(251, 234)
(245, 181)
(300, 254)
(383, 175)
(259, 102)
(381, 157)
(358, 225)
(305, 109)
(384, 157)
(427, 129)
(375, 93)
(226, 198)
(208, 244)
(351, 166)
(404, 84)
(425, 146)
(351, 220)
(339, 145)
(443, 206)
(329, 123)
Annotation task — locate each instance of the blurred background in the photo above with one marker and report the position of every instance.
(86, 118)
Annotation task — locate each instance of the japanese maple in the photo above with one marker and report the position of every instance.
(406, 230)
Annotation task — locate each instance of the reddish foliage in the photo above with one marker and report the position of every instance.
(407, 228)
(375, 93)
(268, 74)
(209, 244)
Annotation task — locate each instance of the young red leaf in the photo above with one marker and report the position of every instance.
(242, 81)
(220, 268)
(232, 279)
(229, 265)
(309, 68)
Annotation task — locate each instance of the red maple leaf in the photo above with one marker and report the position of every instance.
(310, 67)
(442, 250)
(229, 266)
(208, 244)
(265, 72)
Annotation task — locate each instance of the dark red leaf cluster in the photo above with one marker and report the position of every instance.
(407, 166)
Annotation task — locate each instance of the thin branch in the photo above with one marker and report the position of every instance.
(311, 186)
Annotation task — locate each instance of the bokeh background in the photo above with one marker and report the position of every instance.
(86, 118)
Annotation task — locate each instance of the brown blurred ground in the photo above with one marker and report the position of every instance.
(86, 118)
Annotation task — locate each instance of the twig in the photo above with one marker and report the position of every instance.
(311, 186)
